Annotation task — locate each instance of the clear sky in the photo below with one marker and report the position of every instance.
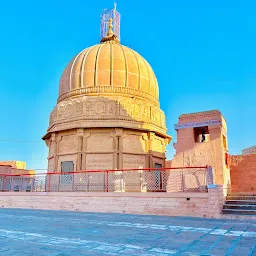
(203, 54)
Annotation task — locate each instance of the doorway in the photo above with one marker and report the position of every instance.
(158, 177)
(66, 177)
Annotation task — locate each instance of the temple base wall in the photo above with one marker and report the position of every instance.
(106, 149)
(170, 204)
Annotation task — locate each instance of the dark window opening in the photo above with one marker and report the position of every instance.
(158, 177)
(201, 134)
(66, 178)
(67, 166)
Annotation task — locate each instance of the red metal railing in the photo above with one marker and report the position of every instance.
(178, 179)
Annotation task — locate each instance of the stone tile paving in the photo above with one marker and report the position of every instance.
(57, 233)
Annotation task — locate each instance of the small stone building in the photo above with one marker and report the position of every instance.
(202, 141)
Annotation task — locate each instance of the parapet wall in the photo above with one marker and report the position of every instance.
(170, 204)
(243, 173)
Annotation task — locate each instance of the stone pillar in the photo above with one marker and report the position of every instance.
(84, 149)
(215, 201)
(145, 137)
(53, 145)
(210, 176)
(166, 143)
(115, 152)
(119, 148)
(80, 133)
(56, 167)
(150, 155)
(49, 158)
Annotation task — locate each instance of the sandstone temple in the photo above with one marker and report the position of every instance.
(108, 114)
(108, 117)
(107, 141)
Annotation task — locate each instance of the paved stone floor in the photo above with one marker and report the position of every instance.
(57, 233)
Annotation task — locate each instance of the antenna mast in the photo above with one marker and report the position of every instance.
(106, 15)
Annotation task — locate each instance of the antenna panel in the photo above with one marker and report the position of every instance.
(106, 15)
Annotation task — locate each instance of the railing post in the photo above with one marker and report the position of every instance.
(106, 181)
(140, 172)
(162, 180)
(49, 183)
(123, 183)
(11, 183)
(58, 182)
(87, 179)
(73, 181)
(210, 177)
(21, 183)
(4, 183)
(31, 182)
(120, 183)
(182, 179)
(46, 183)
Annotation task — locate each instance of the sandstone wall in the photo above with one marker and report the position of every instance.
(105, 149)
(171, 204)
(243, 173)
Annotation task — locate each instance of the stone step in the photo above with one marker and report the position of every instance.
(239, 212)
(240, 207)
(241, 194)
(241, 202)
(241, 198)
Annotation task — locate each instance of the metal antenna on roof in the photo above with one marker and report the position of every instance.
(106, 15)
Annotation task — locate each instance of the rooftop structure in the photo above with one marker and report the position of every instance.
(249, 151)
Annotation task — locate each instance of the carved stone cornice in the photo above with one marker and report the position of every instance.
(109, 90)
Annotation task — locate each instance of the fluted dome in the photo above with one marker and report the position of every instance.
(109, 68)
(108, 85)
(108, 115)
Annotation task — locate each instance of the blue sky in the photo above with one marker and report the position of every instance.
(203, 54)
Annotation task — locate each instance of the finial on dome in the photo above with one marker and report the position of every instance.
(111, 37)
(110, 25)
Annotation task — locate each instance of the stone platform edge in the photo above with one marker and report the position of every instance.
(149, 203)
(112, 194)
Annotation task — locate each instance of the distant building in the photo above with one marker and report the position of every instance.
(15, 164)
(25, 182)
(249, 151)
(14, 167)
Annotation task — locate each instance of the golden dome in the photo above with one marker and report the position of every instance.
(108, 85)
(109, 68)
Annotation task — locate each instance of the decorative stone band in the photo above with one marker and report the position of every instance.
(100, 108)
(197, 124)
(111, 90)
